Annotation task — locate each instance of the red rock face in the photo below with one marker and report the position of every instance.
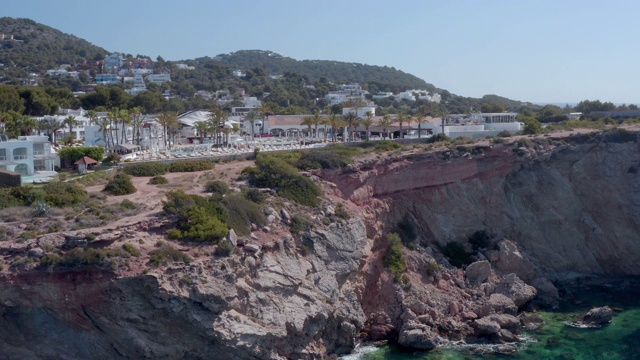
(573, 208)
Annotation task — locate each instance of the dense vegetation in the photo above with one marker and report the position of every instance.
(276, 173)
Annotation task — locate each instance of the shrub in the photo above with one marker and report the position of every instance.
(255, 195)
(28, 195)
(224, 249)
(432, 268)
(275, 173)
(127, 204)
(158, 180)
(90, 237)
(63, 194)
(341, 212)
(216, 187)
(166, 254)
(406, 229)
(112, 158)
(200, 227)
(300, 223)
(240, 213)
(132, 250)
(387, 145)
(438, 138)
(330, 157)
(78, 257)
(120, 185)
(456, 254)
(41, 209)
(394, 257)
(191, 165)
(6, 200)
(504, 134)
(146, 169)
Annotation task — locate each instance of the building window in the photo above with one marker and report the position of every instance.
(20, 154)
(38, 165)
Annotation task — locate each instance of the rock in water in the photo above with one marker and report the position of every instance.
(598, 316)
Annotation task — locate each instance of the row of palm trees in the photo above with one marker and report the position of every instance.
(351, 121)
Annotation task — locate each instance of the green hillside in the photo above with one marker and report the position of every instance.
(378, 78)
(36, 47)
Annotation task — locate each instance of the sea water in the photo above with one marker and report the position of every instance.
(556, 340)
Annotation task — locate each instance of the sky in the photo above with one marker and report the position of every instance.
(541, 51)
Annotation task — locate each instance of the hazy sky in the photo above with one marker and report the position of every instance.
(529, 50)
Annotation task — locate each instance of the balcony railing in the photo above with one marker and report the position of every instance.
(20, 157)
(39, 153)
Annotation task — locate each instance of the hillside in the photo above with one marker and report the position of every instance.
(292, 86)
(36, 47)
(336, 71)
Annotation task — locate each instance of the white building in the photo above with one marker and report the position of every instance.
(158, 78)
(27, 154)
(362, 112)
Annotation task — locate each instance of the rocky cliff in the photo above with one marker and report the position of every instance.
(557, 208)
(571, 207)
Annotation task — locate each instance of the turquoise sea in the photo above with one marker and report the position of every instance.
(616, 341)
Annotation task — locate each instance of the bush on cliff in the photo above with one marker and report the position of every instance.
(275, 173)
(394, 257)
(618, 135)
(191, 165)
(166, 254)
(78, 257)
(241, 213)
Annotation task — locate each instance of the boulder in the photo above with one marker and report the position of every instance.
(598, 316)
(547, 292)
(422, 339)
(505, 335)
(252, 248)
(499, 303)
(232, 237)
(285, 215)
(532, 322)
(516, 289)
(478, 272)
(506, 321)
(486, 326)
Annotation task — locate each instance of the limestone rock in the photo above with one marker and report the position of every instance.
(598, 316)
(478, 272)
(252, 248)
(516, 289)
(422, 339)
(486, 326)
(499, 303)
(232, 237)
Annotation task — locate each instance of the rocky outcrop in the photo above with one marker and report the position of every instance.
(596, 317)
(275, 304)
(549, 202)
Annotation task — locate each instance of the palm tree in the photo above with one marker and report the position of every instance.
(93, 117)
(112, 116)
(401, 118)
(70, 121)
(325, 122)
(384, 123)
(217, 119)
(421, 116)
(308, 121)
(123, 114)
(316, 120)
(352, 121)
(136, 121)
(334, 121)
(103, 122)
(169, 121)
(201, 127)
(367, 123)
(251, 117)
(355, 104)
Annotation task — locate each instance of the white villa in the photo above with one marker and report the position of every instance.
(27, 155)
